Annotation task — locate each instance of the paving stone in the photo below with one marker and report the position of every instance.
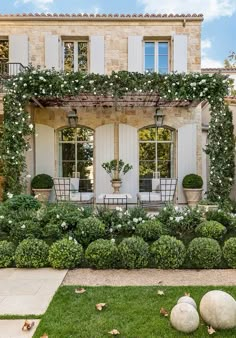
(13, 328)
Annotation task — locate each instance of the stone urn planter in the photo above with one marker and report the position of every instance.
(2, 181)
(116, 184)
(42, 186)
(192, 186)
(208, 207)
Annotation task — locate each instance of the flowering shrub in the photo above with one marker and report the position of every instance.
(150, 230)
(211, 229)
(133, 253)
(229, 252)
(204, 253)
(65, 254)
(22, 202)
(25, 229)
(168, 253)
(52, 232)
(88, 230)
(7, 251)
(102, 254)
(31, 253)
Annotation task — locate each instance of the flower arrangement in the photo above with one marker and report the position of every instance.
(116, 169)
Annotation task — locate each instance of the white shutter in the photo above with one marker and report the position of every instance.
(97, 54)
(187, 155)
(135, 54)
(44, 150)
(52, 51)
(104, 152)
(128, 149)
(180, 53)
(18, 52)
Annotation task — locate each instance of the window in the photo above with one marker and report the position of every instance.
(76, 155)
(4, 50)
(156, 56)
(75, 56)
(155, 153)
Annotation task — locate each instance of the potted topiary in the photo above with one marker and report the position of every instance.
(192, 185)
(41, 186)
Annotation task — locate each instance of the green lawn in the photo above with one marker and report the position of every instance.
(134, 311)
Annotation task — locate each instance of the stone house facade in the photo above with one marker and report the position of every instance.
(102, 44)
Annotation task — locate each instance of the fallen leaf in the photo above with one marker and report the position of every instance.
(210, 330)
(187, 294)
(27, 325)
(160, 293)
(44, 335)
(164, 312)
(80, 290)
(100, 306)
(114, 332)
(160, 282)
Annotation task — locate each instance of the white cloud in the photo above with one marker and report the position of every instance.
(212, 9)
(208, 62)
(38, 4)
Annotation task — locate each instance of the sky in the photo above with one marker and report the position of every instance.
(218, 29)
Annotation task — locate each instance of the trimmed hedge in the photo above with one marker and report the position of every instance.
(211, 229)
(133, 253)
(7, 252)
(229, 252)
(88, 230)
(102, 254)
(150, 230)
(32, 253)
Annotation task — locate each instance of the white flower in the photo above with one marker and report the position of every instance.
(118, 209)
(9, 195)
(91, 81)
(23, 226)
(10, 222)
(64, 225)
(111, 230)
(113, 240)
(70, 238)
(28, 176)
(119, 226)
(133, 228)
(58, 216)
(140, 219)
(135, 220)
(171, 218)
(1, 217)
(75, 241)
(176, 208)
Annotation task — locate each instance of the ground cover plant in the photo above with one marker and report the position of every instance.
(133, 311)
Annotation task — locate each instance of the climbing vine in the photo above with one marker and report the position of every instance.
(50, 84)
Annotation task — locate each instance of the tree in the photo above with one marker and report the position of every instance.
(230, 62)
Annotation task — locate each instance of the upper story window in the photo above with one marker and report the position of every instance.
(75, 56)
(4, 50)
(156, 56)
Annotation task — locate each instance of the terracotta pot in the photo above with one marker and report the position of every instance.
(193, 196)
(2, 181)
(42, 194)
(116, 186)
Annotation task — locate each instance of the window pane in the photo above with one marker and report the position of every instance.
(67, 169)
(162, 48)
(147, 151)
(84, 134)
(165, 168)
(163, 70)
(67, 151)
(4, 50)
(149, 48)
(69, 56)
(164, 134)
(164, 151)
(82, 56)
(147, 134)
(162, 61)
(67, 134)
(149, 63)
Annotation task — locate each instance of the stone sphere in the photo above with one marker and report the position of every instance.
(184, 317)
(218, 309)
(188, 300)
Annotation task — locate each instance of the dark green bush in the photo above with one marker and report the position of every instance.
(150, 230)
(88, 230)
(42, 181)
(101, 254)
(222, 217)
(133, 253)
(211, 229)
(168, 252)
(25, 229)
(32, 253)
(22, 202)
(192, 181)
(52, 232)
(65, 254)
(204, 253)
(229, 252)
(7, 252)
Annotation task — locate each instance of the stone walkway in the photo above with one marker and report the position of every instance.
(121, 277)
(13, 329)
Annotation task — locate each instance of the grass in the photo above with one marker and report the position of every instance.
(134, 311)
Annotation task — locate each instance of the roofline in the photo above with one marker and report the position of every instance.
(224, 70)
(100, 17)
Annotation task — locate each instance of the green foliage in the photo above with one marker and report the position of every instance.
(22, 202)
(65, 254)
(133, 253)
(204, 253)
(7, 252)
(101, 254)
(222, 217)
(52, 232)
(229, 252)
(116, 168)
(150, 230)
(42, 181)
(211, 229)
(25, 229)
(88, 230)
(168, 253)
(32, 253)
(192, 181)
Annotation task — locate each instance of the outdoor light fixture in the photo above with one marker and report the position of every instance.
(72, 118)
(159, 118)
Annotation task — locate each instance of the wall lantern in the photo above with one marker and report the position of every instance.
(72, 118)
(158, 118)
